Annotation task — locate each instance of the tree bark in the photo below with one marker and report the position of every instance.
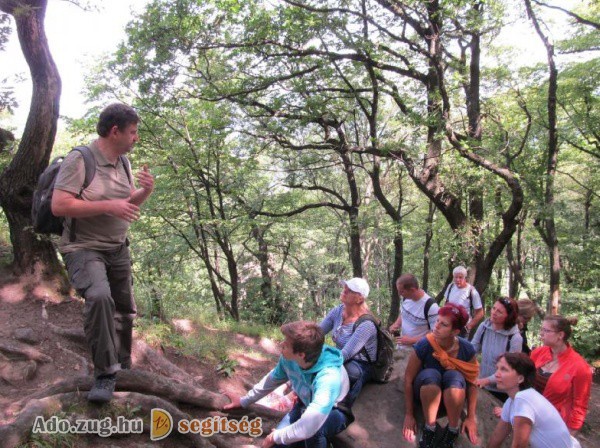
(31, 253)
(549, 234)
(427, 246)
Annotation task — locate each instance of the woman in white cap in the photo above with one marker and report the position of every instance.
(358, 345)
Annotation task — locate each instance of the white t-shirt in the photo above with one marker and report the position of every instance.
(460, 296)
(548, 428)
(413, 317)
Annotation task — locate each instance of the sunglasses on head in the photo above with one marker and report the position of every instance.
(504, 301)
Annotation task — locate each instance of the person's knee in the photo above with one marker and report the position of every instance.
(453, 379)
(98, 296)
(429, 377)
(354, 371)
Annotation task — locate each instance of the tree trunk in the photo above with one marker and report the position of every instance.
(18, 180)
(395, 213)
(427, 246)
(549, 233)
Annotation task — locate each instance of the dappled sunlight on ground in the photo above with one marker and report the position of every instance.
(269, 346)
(185, 326)
(12, 293)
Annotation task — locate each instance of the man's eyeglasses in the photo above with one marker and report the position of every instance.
(546, 330)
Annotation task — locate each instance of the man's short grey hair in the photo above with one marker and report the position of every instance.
(460, 270)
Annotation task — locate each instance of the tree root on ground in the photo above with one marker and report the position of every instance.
(18, 431)
(74, 334)
(149, 384)
(82, 360)
(23, 350)
(143, 352)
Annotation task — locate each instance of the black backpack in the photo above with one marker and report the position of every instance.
(41, 207)
(386, 346)
(430, 301)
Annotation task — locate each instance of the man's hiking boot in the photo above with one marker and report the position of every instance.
(427, 437)
(103, 389)
(448, 438)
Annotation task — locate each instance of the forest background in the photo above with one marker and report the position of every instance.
(297, 143)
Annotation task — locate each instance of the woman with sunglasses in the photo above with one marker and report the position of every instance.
(532, 419)
(562, 375)
(496, 335)
(442, 369)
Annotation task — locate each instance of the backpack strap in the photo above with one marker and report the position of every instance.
(508, 342)
(89, 164)
(448, 291)
(472, 308)
(481, 337)
(360, 320)
(125, 162)
(426, 309)
(510, 336)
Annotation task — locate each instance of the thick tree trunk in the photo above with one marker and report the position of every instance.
(427, 246)
(17, 182)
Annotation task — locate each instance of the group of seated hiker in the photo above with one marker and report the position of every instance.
(545, 395)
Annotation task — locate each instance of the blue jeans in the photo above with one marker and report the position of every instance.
(450, 378)
(336, 422)
(359, 373)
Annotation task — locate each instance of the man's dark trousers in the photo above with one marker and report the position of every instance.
(103, 279)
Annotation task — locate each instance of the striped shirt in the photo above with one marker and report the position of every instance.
(351, 344)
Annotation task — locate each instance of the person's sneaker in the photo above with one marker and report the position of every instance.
(103, 389)
(427, 437)
(448, 438)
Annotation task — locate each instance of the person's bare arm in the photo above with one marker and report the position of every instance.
(397, 324)
(69, 205)
(470, 423)
(410, 424)
(501, 432)
(477, 317)
(521, 432)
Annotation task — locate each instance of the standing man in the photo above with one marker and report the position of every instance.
(319, 379)
(459, 292)
(94, 242)
(418, 311)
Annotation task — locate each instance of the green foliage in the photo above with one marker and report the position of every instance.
(245, 106)
(226, 367)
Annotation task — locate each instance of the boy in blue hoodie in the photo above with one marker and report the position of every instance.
(319, 379)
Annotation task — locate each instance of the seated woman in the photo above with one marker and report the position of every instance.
(496, 335)
(532, 418)
(359, 346)
(440, 370)
(562, 375)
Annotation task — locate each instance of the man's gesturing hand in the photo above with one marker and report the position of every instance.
(122, 208)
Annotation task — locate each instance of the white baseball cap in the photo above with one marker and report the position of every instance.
(358, 285)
